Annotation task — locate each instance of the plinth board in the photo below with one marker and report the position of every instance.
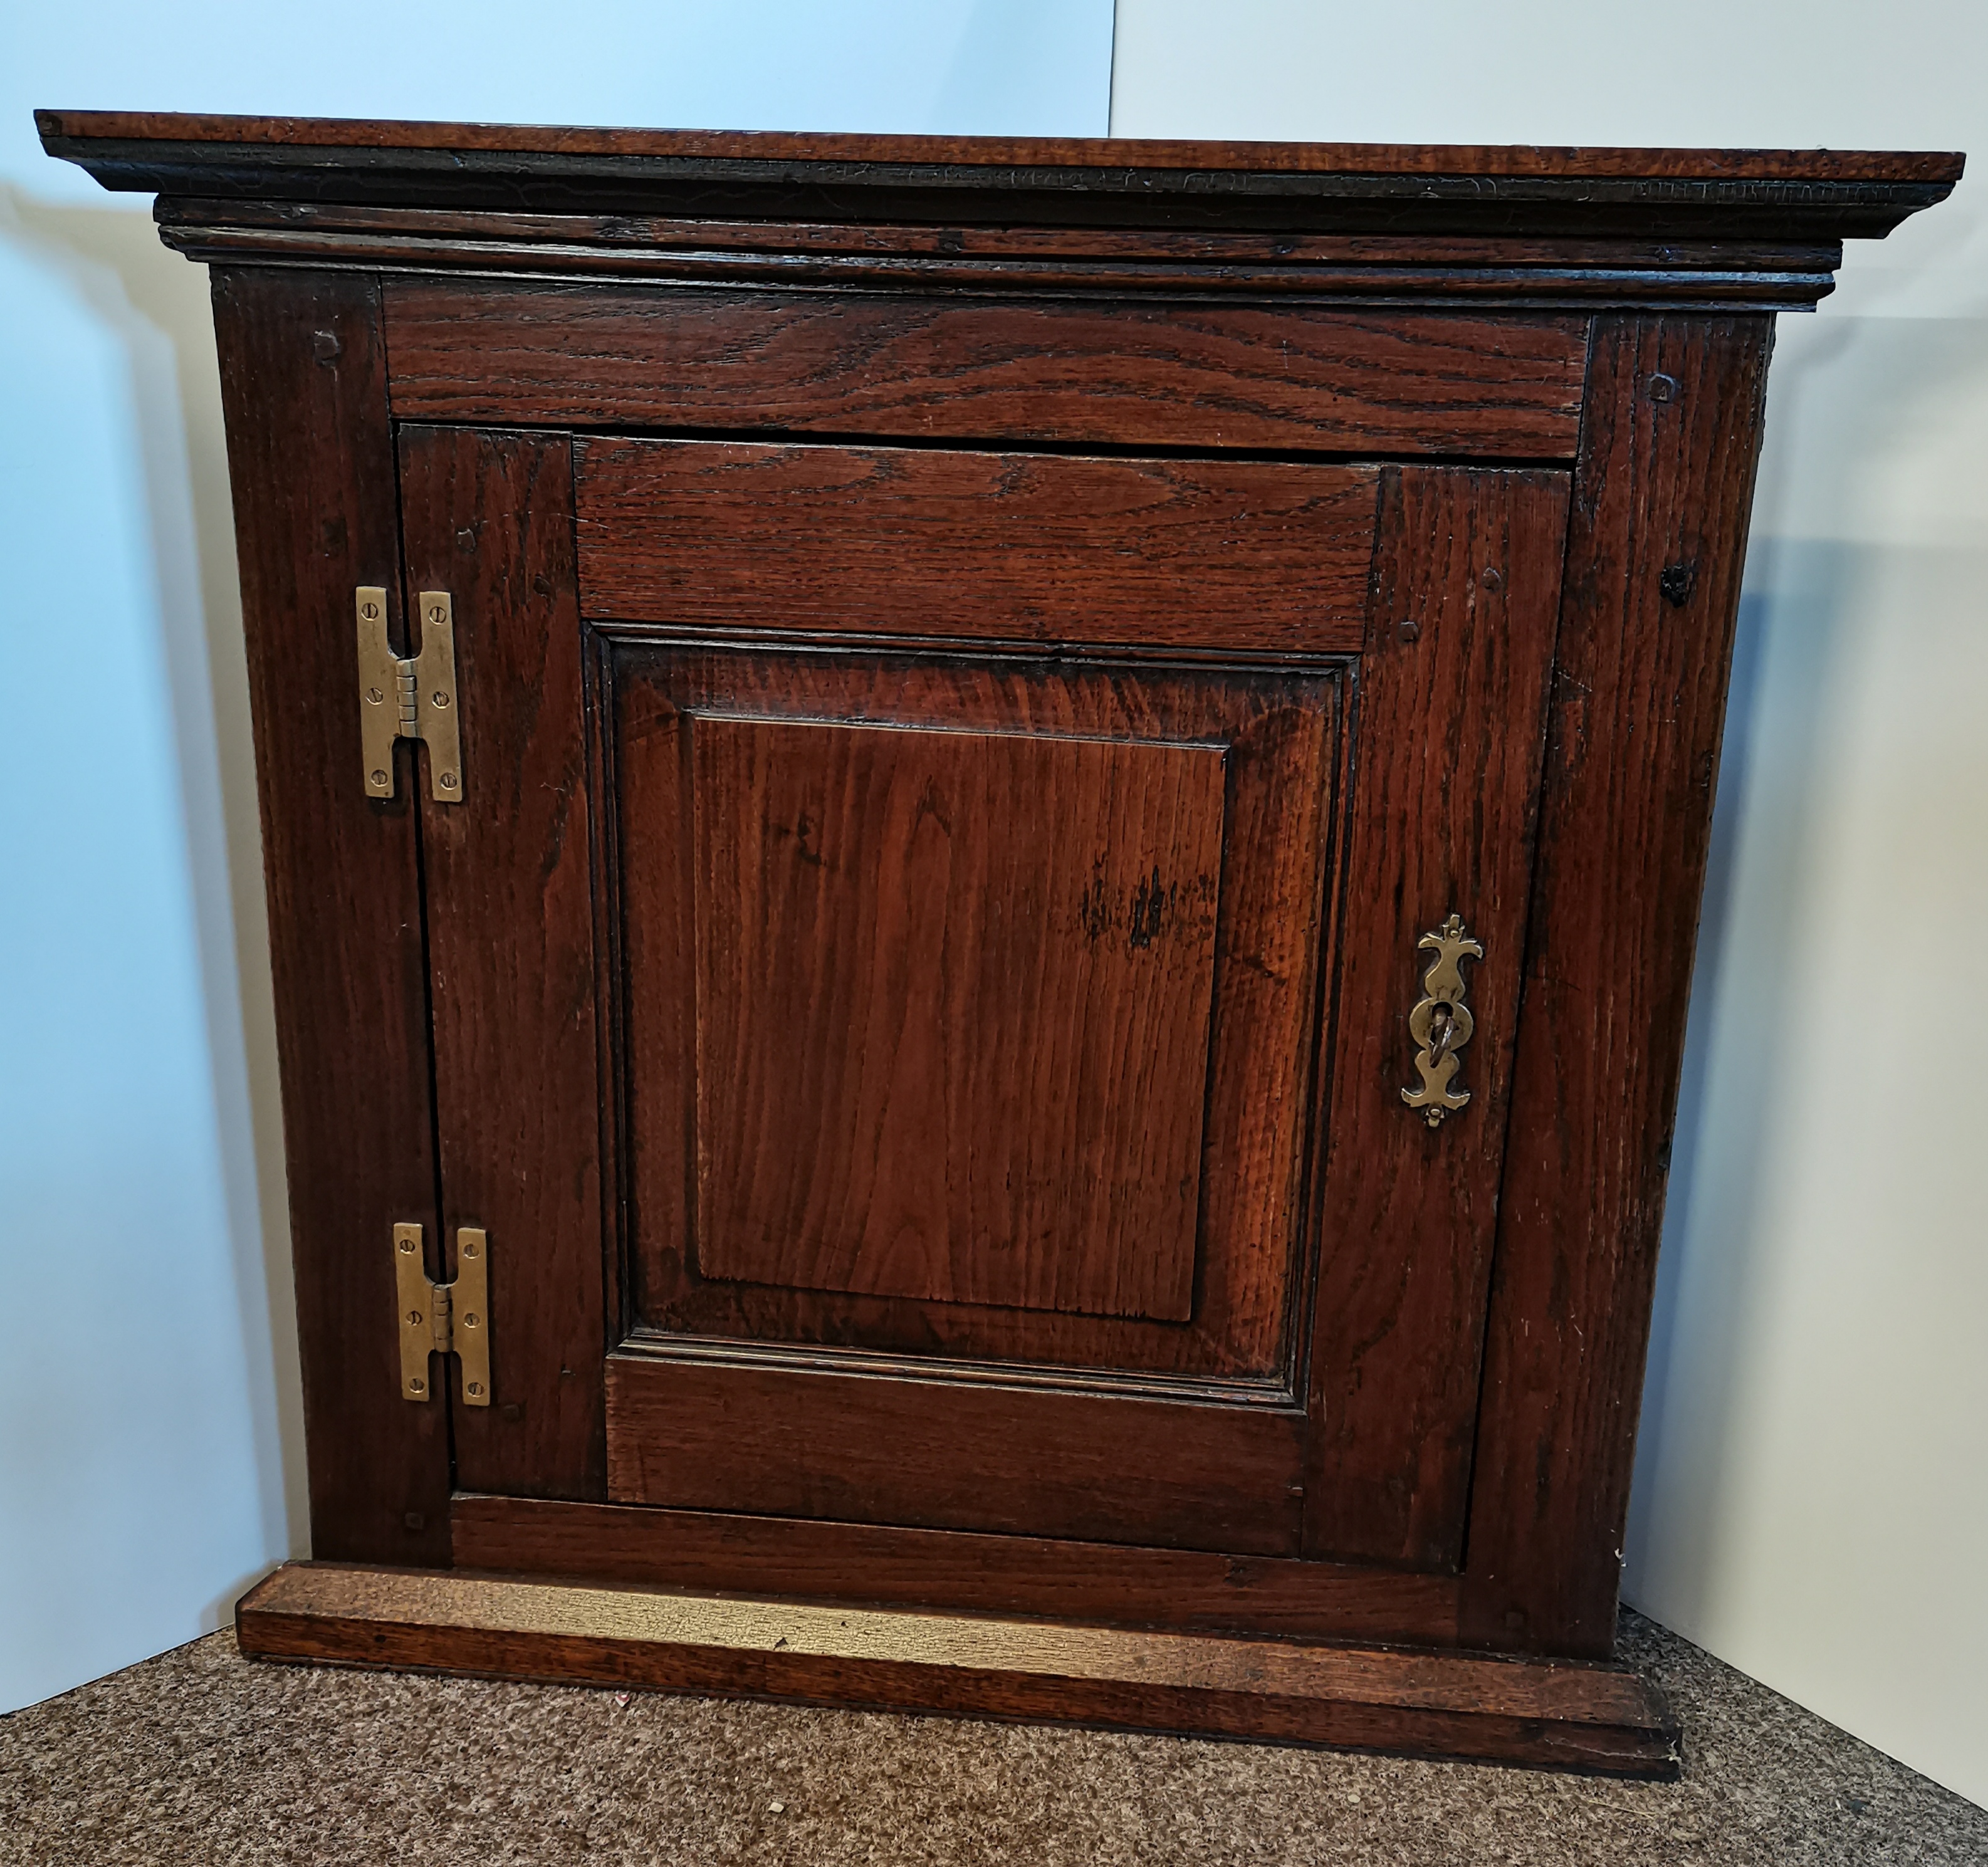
(1572, 1716)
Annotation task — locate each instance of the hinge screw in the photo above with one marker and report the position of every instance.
(374, 695)
(413, 1316)
(439, 698)
(476, 1387)
(380, 779)
(448, 781)
(416, 1387)
(407, 1244)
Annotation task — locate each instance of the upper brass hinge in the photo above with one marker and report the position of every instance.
(409, 699)
(442, 1318)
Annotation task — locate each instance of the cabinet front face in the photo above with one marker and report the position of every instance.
(925, 976)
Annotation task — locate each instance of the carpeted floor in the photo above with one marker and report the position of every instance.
(198, 1758)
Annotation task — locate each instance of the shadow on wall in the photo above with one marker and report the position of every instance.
(119, 333)
(1742, 989)
(1806, 1416)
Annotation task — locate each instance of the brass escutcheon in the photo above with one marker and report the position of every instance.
(1441, 1023)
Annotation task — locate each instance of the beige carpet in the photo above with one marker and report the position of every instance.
(198, 1758)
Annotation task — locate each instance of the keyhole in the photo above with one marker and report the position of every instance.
(1442, 1032)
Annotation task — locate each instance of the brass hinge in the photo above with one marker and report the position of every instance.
(439, 1318)
(403, 699)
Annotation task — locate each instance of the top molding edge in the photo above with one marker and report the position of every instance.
(77, 130)
(1098, 180)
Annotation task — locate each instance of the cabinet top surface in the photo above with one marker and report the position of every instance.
(78, 130)
(1830, 193)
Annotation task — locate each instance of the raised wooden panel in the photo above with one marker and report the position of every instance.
(1050, 764)
(1082, 371)
(1256, 555)
(789, 1437)
(953, 995)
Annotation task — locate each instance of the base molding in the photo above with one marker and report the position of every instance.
(1575, 1716)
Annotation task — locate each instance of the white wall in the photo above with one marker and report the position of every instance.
(1811, 1498)
(150, 1442)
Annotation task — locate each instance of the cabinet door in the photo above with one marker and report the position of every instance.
(922, 974)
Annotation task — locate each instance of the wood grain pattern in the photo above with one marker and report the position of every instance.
(1192, 1590)
(1111, 155)
(1466, 600)
(1146, 375)
(1373, 268)
(303, 388)
(1577, 1717)
(810, 1441)
(1248, 555)
(1280, 735)
(1665, 478)
(953, 994)
(972, 510)
(489, 519)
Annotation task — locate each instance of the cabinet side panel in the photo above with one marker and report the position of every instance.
(1663, 489)
(1452, 714)
(489, 518)
(303, 384)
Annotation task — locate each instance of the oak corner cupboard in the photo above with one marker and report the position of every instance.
(982, 861)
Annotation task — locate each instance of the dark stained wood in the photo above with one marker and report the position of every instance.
(1577, 1717)
(1111, 155)
(1665, 479)
(1790, 275)
(790, 1438)
(899, 541)
(790, 242)
(1290, 187)
(1280, 734)
(489, 519)
(973, 543)
(1192, 1590)
(303, 384)
(953, 992)
(1465, 602)
(1087, 374)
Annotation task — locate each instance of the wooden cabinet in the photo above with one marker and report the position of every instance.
(1027, 939)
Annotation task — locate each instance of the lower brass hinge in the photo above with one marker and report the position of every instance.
(409, 699)
(442, 1318)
